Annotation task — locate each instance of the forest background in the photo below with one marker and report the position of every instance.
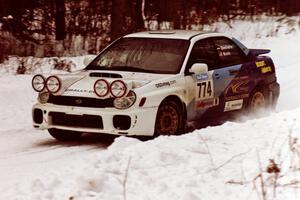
(44, 28)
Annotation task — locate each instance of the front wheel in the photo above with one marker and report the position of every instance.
(169, 119)
(64, 135)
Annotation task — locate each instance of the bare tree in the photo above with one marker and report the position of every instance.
(60, 20)
(118, 17)
(178, 11)
(127, 17)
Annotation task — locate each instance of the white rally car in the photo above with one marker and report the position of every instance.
(155, 83)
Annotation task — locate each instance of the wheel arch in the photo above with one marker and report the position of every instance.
(259, 85)
(178, 100)
(183, 112)
(262, 86)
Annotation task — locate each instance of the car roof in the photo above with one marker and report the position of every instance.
(173, 34)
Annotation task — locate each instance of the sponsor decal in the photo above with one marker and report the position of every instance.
(201, 77)
(235, 97)
(265, 69)
(224, 50)
(226, 47)
(233, 105)
(204, 87)
(80, 90)
(260, 63)
(224, 53)
(238, 88)
(205, 90)
(163, 84)
(207, 103)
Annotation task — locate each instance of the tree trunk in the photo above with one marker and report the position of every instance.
(164, 12)
(137, 16)
(118, 16)
(60, 32)
(177, 10)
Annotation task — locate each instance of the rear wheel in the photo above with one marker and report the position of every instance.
(257, 102)
(169, 119)
(64, 135)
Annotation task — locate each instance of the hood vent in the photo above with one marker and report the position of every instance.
(105, 75)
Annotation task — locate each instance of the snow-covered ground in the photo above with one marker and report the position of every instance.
(222, 162)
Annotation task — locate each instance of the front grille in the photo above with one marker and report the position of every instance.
(84, 121)
(81, 101)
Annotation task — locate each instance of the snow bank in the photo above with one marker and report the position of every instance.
(220, 162)
(256, 28)
(51, 65)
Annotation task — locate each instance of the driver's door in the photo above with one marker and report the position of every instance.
(205, 91)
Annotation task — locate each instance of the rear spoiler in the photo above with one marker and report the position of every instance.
(257, 52)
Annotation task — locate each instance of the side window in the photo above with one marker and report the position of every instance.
(204, 52)
(229, 53)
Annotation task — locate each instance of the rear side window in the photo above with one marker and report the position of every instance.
(204, 51)
(229, 53)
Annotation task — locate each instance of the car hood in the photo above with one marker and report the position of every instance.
(82, 83)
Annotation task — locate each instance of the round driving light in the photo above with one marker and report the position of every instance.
(101, 87)
(53, 84)
(38, 83)
(118, 88)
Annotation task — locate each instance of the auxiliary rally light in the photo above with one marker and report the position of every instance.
(117, 88)
(53, 84)
(38, 83)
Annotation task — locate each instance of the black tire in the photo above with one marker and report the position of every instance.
(258, 101)
(169, 119)
(64, 135)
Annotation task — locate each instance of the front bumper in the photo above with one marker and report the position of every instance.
(139, 121)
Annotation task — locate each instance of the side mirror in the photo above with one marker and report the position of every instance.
(199, 68)
(87, 60)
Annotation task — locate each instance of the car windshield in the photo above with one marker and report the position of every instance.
(150, 55)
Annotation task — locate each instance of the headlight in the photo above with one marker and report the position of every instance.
(38, 83)
(125, 102)
(101, 87)
(43, 97)
(118, 88)
(53, 84)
